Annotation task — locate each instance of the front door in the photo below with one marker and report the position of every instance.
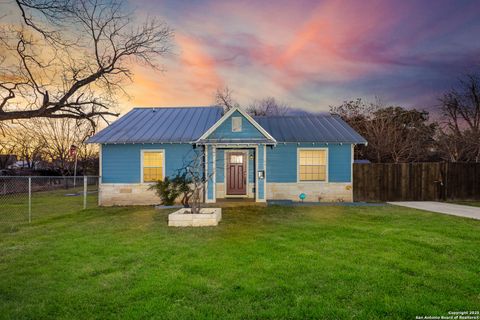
(236, 173)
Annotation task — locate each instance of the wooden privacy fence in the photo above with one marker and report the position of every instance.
(428, 181)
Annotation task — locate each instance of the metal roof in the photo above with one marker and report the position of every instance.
(157, 125)
(188, 124)
(311, 128)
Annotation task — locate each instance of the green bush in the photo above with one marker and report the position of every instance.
(170, 189)
(167, 190)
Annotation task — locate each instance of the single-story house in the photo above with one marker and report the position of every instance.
(257, 158)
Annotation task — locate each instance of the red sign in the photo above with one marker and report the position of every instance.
(73, 150)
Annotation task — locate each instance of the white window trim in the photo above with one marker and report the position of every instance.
(142, 152)
(239, 119)
(326, 166)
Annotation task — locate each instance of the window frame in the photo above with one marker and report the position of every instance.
(143, 151)
(240, 122)
(326, 165)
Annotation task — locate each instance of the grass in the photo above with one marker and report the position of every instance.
(275, 262)
(14, 207)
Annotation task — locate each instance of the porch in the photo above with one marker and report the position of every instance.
(235, 173)
(236, 202)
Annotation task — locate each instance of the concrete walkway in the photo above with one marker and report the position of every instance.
(442, 207)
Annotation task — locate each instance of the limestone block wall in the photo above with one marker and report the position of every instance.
(322, 192)
(138, 194)
(126, 195)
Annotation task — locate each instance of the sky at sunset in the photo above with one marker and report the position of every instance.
(310, 54)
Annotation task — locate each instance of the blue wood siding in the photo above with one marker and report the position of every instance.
(220, 164)
(251, 166)
(121, 162)
(282, 162)
(340, 163)
(224, 131)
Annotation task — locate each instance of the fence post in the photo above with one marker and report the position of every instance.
(29, 199)
(85, 192)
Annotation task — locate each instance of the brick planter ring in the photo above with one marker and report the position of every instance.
(206, 217)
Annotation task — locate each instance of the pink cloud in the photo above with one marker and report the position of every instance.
(308, 50)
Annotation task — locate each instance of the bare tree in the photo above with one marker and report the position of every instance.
(69, 59)
(29, 147)
(394, 134)
(88, 157)
(58, 136)
(194, 172)
(7, 148)
(264, 107)
(268, 107)
(459, 137)
(224, 98)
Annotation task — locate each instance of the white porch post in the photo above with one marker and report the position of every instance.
(210, 155)
(261, 188)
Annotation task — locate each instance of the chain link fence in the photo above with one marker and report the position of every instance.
(26, 199)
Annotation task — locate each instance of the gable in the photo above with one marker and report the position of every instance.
(247, 130)
(236, 126)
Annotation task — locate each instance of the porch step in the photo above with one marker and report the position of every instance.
(229, 203)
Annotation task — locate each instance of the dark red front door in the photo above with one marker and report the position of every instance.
(236, 173)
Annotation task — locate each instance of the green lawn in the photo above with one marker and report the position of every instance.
(14, 207)
(275, 262)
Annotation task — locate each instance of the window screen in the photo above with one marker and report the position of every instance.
(312, 165)
(236, 124)
(152, 166)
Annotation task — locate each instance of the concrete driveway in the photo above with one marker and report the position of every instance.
(442, 207)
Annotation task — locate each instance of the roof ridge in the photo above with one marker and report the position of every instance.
(299, 116)
(177, 107)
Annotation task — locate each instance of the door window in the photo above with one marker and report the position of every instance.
(236, 159)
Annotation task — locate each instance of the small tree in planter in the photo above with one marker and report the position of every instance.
(194, 173)
(192, 180)
(183, 186)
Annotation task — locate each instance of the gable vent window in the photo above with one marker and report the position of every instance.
(236, 124)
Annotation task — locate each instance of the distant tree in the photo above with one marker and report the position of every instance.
(224, 98)
(459, 137)
(88, 158)
(263, 107)
(70, 59)
(268, 107)
(59, 135)
(394, 134)
(29, 147)
(7, 149)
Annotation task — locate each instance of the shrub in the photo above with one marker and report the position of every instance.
(167, 190)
